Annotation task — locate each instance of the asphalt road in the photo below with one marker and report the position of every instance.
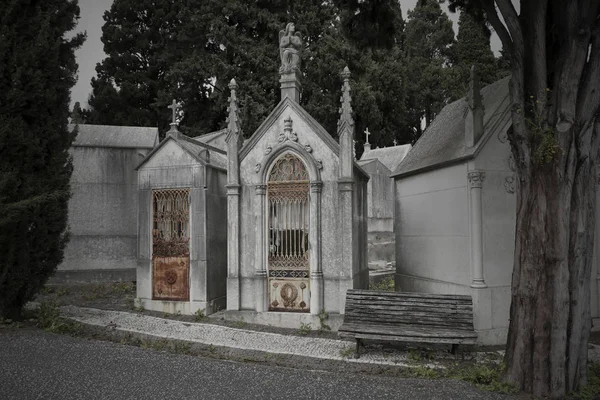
(39, 365)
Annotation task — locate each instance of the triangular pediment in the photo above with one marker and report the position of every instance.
(276, 114)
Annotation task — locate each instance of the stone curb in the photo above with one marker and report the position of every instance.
(264, 344)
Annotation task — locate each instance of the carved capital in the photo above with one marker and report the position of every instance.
(260, 189)
(476, 179)
(233, 190)
(316, 187)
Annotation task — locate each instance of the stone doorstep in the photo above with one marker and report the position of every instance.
(143, 326)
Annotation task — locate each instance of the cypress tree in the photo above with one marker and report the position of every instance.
(37, 71)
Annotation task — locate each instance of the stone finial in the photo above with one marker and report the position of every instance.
(233, 118)
(346, 99)
(395, 142)
(475, 111)
(367, 133)
(290, 49)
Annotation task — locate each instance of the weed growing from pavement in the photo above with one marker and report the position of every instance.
(323, 316)
(421, 371)
(305, 329)
(241, 323)
(49, 318)
(139, 305)
(199, 315)
(181, 347)
(387, 284)
(347, 352)
(123, 288)
(486, 376)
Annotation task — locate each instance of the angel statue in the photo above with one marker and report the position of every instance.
(290, 49)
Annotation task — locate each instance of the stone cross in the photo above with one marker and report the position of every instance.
(174, 107)
(367, 133)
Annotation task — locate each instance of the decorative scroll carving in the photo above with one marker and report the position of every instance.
(268, 150)
(511, 163)
(502, 136)
(509, 184)
(476, 178)
(257, 168)
(288, 133)
(308, 148)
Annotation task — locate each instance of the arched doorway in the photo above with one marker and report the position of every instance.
(288, 214)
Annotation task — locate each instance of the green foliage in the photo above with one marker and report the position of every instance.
(592, 390)
(323, 316)
(49, 318)
(543, 137)
(421, 371)
(428, 49)
(387, 284)
(472, 47)
(199, 315)
(488, 377)
(139, 305)
(37, 71)
(305, 329)
(347, 352)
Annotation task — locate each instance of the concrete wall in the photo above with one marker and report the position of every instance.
(380, 197)
(102, 215)
(432, 232)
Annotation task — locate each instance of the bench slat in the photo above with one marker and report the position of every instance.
(374, 298)
(411, 339)
(410, 294)
(408, 308)
(410, 320)
(406, 330)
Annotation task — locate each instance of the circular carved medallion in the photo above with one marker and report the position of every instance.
(288, 293)
(302, 286)
(171, 277)
(302, 304)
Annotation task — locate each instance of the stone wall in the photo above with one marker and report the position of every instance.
(102, 215)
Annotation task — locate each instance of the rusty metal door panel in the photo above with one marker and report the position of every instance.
(171, 278)
(288, 266)
(171, 244)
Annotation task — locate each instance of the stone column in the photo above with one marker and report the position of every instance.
(475, 183)
(346, 237)
(233, 247)
(316, 271)
(260, 269)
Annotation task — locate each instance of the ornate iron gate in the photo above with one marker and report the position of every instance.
(288, 193)
(171, 244)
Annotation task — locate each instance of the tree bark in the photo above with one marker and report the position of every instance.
(555, 85)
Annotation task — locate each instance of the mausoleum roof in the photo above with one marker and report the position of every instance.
(204, 153)
(443, 142)
(115, 136)
(388, 156)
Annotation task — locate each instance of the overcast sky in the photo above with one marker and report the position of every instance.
(91, 52)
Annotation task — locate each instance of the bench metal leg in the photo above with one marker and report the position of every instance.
(358, 344)
(453, 349)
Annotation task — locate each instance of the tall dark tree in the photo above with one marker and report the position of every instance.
(139, 39)
(428, 46)
(37, 71)
(472, 47)
(554, 51)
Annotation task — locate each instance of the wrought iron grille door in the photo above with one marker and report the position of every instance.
(171, 244)
(288, 269)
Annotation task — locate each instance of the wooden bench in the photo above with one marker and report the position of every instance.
(408, 317)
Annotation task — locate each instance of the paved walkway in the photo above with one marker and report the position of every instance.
(244, 339)
(216, 335)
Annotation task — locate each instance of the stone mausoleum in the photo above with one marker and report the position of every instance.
(296, 208)
(182, 226)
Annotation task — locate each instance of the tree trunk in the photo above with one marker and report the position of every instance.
(550, 309)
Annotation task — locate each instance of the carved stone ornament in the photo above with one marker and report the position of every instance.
(319, 164)
(268, 150)
(290, 49)
(308, 148)
(257, 168)
(476, 178)
(509, 184)
(288, 133)
(502, 136)
(511, 163)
